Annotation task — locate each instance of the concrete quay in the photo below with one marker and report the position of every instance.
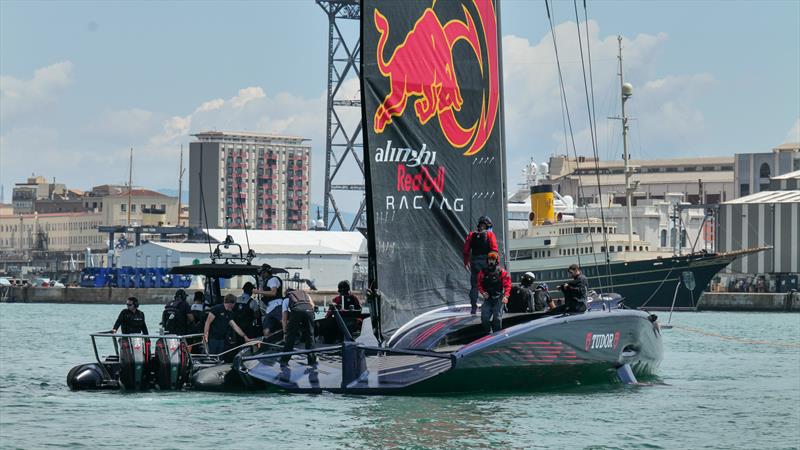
(749, 301)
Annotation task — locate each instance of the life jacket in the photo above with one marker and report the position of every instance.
(170, 318)
(541, 297)
(280, 287)
(492, 281)
(479, 243)
(243, 314)
(299, 300)
(519, 300)
(346, 301)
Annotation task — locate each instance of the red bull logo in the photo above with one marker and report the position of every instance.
(422, 67)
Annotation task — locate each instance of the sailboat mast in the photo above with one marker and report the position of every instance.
(130, 186)
(627, 91)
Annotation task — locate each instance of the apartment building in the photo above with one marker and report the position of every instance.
(248, 179)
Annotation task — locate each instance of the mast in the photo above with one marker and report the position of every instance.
(130, 180)
(627, 91)
(181, 171)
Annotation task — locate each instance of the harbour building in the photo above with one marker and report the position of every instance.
(707, 180)
(254, 179)
(51, 228)
(767, 218)
(754, 170)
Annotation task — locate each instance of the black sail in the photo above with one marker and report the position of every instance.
(434, 156)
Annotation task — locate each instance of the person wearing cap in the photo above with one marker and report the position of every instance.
(273, 286)
(477, 246)
(246, 311)
(173, 319)
(271, 301)
(541, 298)
(494, 286)
(130, 319)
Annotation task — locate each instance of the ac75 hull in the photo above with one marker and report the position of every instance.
(545, 351)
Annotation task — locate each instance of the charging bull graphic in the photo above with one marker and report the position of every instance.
(422, 66)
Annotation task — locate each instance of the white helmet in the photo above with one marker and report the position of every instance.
(528, 277)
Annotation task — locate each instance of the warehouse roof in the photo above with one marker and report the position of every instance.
(788, 176)
(768, 197)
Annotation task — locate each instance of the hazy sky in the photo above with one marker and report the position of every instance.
(82, 82)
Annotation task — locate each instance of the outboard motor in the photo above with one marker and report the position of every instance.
(86, 377)
(134, 359)
(174, 363)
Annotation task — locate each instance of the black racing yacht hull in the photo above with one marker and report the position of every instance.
(535, 351)
(648, 284)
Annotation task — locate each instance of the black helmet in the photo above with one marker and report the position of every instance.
(344, 287)
(266, 268)
(248, 287)
(486, 221)
(180, 294)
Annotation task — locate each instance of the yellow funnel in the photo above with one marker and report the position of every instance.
(542, 207)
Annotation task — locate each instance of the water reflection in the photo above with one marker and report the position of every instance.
(441, 422)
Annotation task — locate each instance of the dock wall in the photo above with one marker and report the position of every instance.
(709, 301)
(109, 295)
(749, 301)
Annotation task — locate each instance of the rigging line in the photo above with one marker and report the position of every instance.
(591, 133)
(593, 128)
(203, 203)
(658, 288)
(244, 215)
(566, 106)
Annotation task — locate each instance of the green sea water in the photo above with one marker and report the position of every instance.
(711, 393)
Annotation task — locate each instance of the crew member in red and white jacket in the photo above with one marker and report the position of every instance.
(476, 247)
(494, 285)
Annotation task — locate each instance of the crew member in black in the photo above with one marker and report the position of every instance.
(575, 292)
(298, 317)
(194, 325)
(494, 285)
(521, 299)
(173, 319)
(349, 306)
(246, 311)
(542, 299)
(477, 246)
(131, 319)
(219, 325)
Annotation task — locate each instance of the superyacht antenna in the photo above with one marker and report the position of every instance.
(130, 186)
(626, 91)
(250, 253)
(181, 171)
